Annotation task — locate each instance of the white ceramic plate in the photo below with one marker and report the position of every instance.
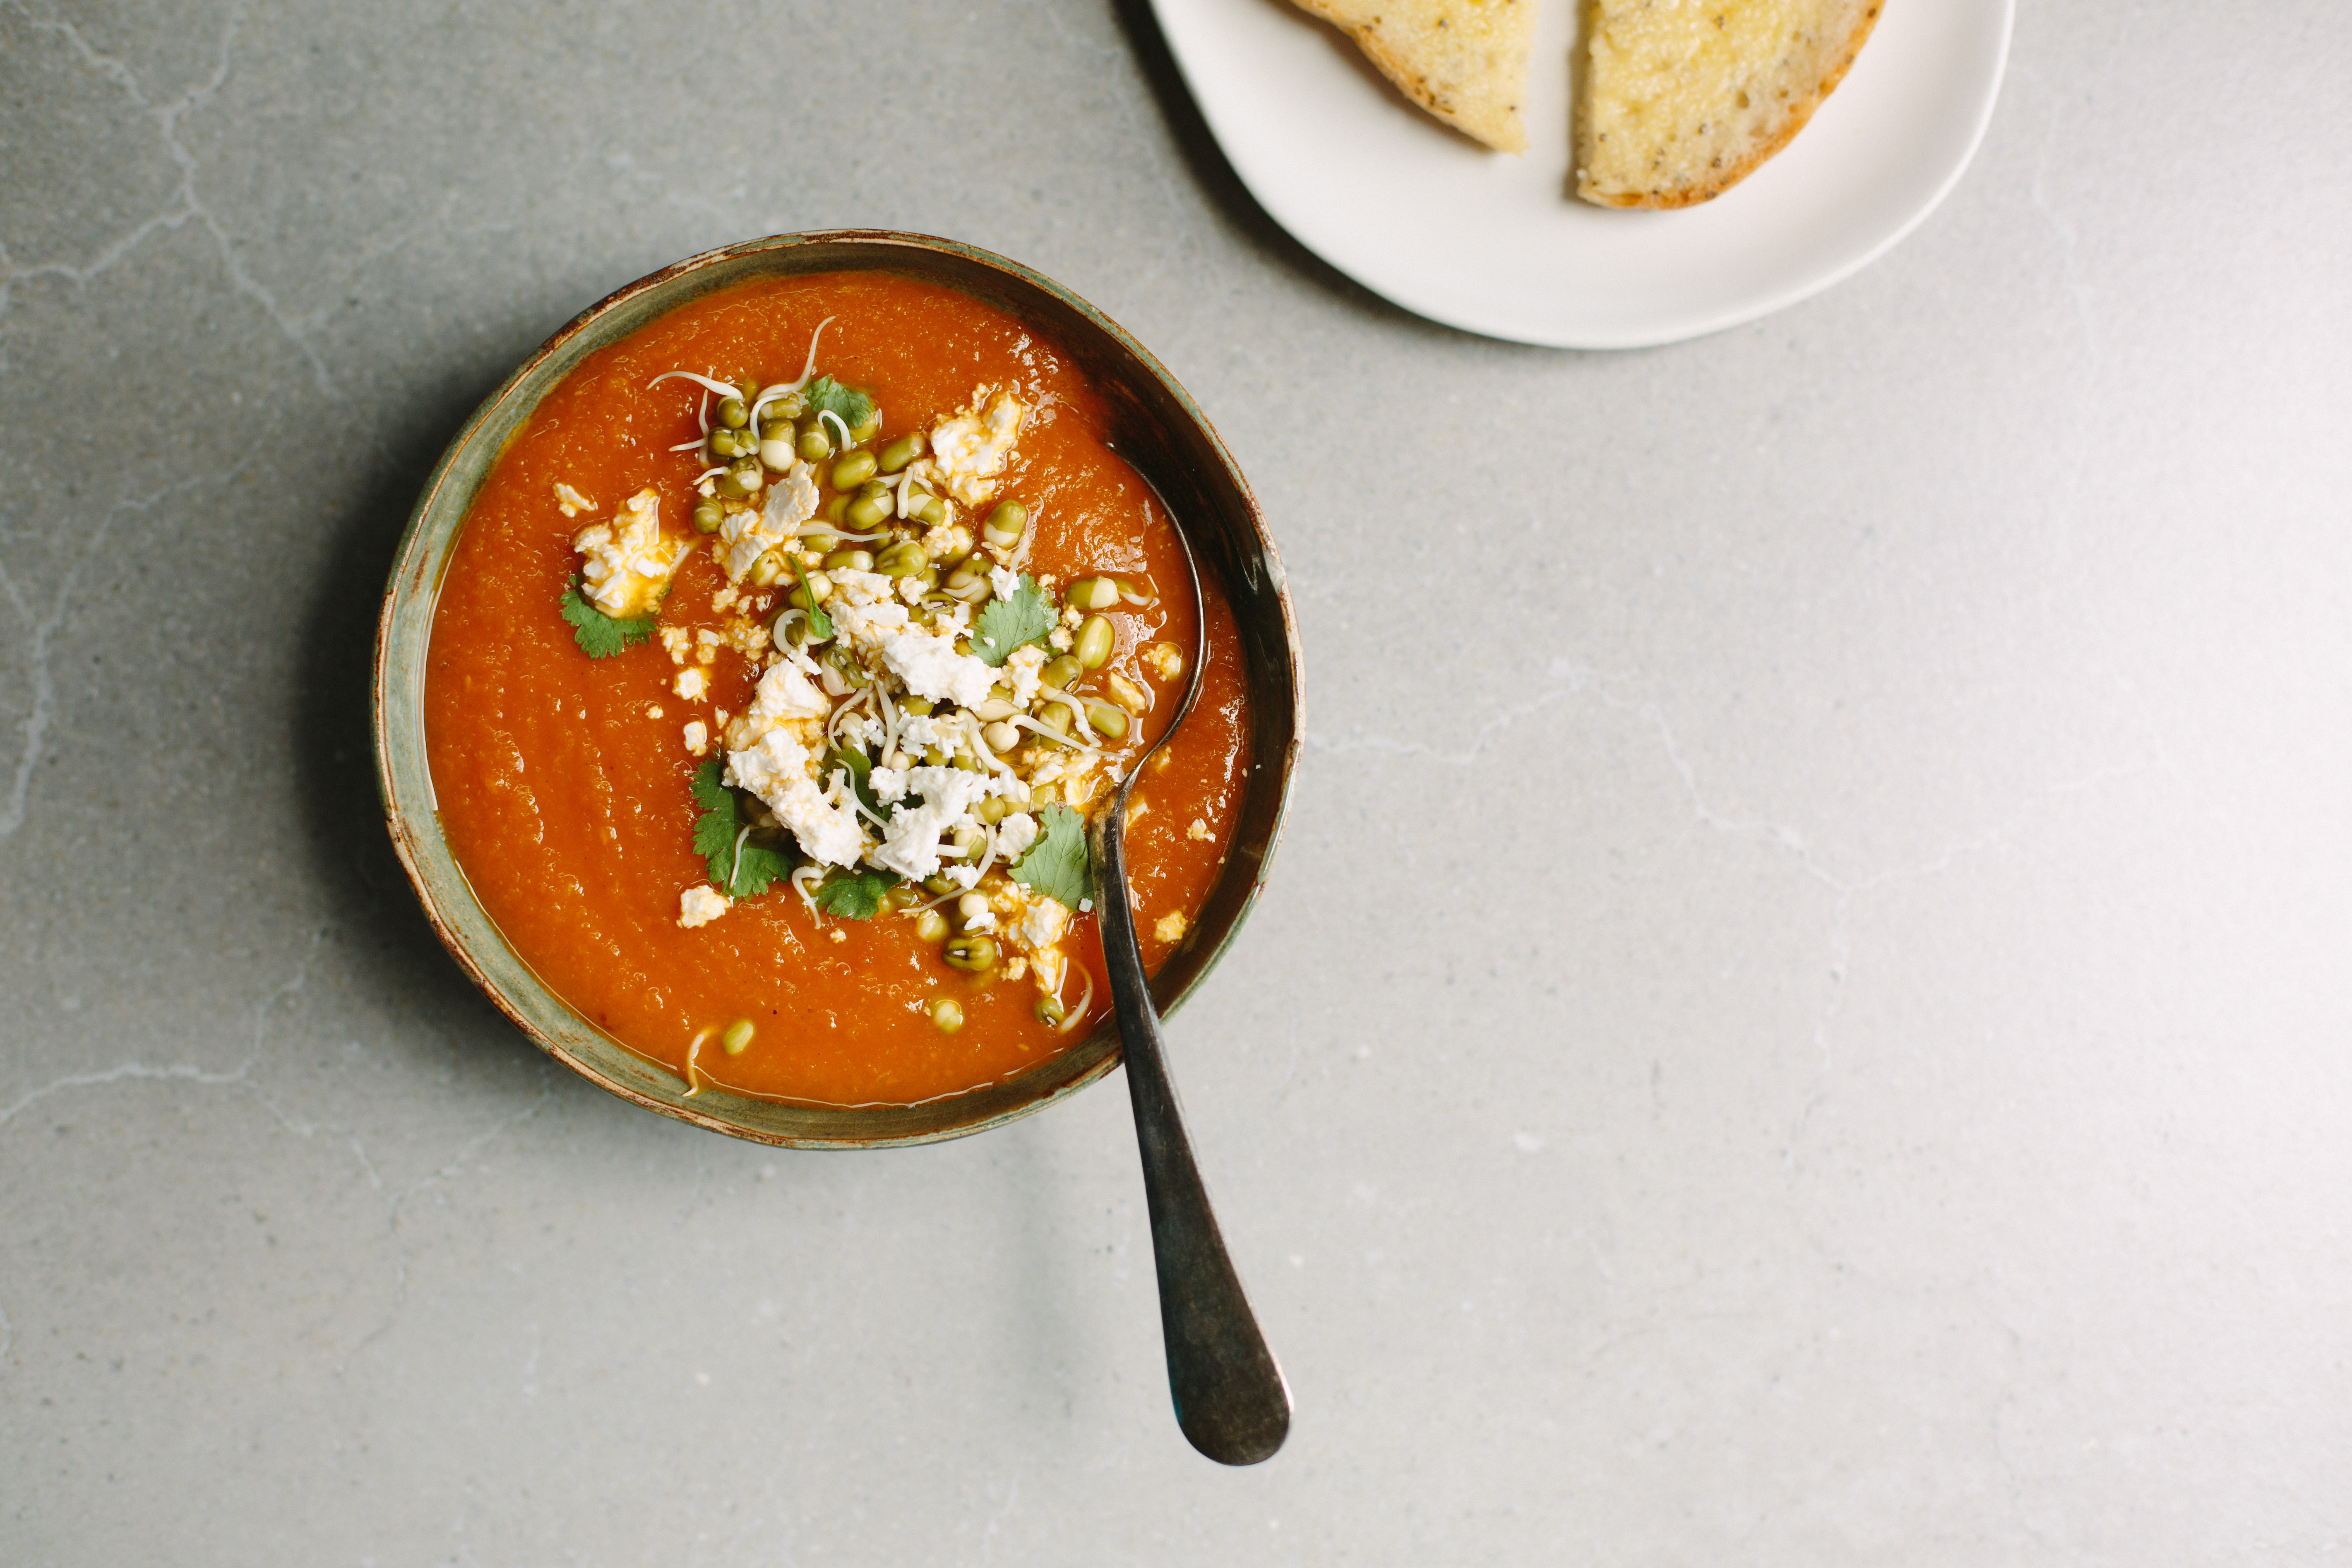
(1495, 244)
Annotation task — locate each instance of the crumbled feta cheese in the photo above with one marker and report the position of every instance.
(1199, 830)
(887, 783)
(931, 668)
(701, 906)
(854, 587)
(1060, 638)
(653, 713)
(1044, 923)
(786, 692)
(1041, 924)
(923, 730)
(910, 845)
(628, 562)
(1170, 926)
(866, 627)
(1005, 583)
(970, 449)
(752, 532)
(1023, 670)
(1165, 659)
(675, 643)
(1015, 833)
(698, 737)
(572, 501)
(776, 768)
(692, 684)
(725, 599)
(747, 637)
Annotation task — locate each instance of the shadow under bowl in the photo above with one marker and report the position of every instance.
(1152, 425)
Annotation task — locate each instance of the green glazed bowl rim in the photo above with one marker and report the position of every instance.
(1156, 425)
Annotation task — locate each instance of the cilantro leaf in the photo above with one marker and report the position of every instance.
(600, 635)
(1057, 864)
(820, 624)
(846, 404)
(739, 867)
(715, 829)
(1007, 623)
(854, 896)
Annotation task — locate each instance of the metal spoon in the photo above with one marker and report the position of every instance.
(1231, 1399)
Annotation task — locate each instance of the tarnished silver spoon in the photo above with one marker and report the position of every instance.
(1231, 1399)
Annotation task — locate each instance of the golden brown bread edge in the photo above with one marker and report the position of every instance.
(1502, 130)
(1800, 115)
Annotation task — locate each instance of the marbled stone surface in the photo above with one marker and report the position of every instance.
(1802, 1017)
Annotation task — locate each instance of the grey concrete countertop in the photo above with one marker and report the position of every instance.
(1801, 1017)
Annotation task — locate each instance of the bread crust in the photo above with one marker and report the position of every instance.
(1500, 127)
(1799, 115)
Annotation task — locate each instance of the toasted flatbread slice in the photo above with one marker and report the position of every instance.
(1465, 62)
(1684, 99)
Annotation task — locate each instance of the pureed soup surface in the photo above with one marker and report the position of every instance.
(566, 782)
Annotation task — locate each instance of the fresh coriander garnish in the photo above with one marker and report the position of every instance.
(1007, 623)
(739, 867)
(1057, 864)
(846, 404)
(600, 635)
(855, 895)
(820, 624)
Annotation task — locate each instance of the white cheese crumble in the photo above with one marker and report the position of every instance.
(1005, 582)
(1042, 924)
(572, 501)
(968, 449)
(698, 737)
(1199, 830)
(1170, 926)
(745, 536)
(628, 562)
(777, 767)
(1014, 835)
(674, 642)
(692, 683)
(930, 664)
(701, 906)
(1024, 670)
(910, 845)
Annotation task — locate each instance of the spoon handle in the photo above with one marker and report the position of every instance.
(1230, 1396)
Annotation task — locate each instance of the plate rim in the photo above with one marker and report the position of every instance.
(1462, 314)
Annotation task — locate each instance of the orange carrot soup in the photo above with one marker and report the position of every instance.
(781, 663)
